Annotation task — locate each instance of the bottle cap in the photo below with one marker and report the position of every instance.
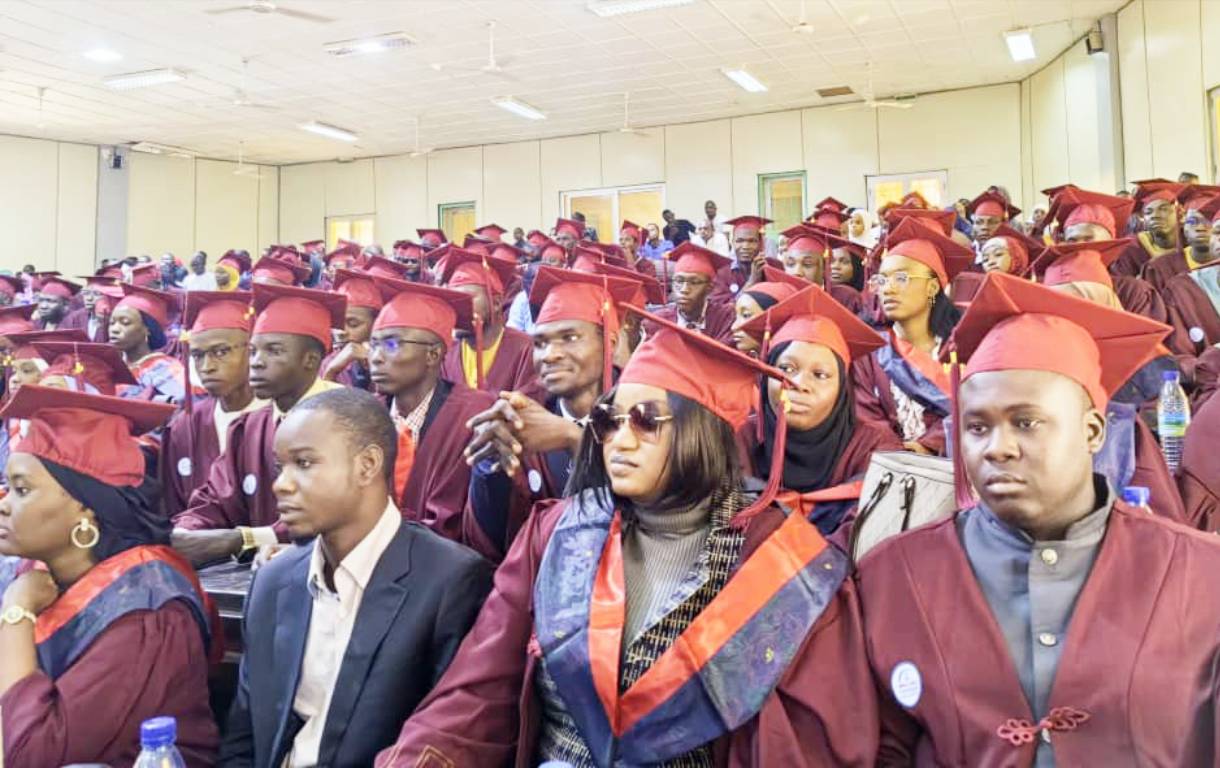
(158, 732)
(1169, 376)
(1137, 495)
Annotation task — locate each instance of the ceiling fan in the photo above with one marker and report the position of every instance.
(250, 171)
(802, 26)
(417, 152)
(268, 7)
(240, 97)
(493, 66)
(627, 120)
(870, 102)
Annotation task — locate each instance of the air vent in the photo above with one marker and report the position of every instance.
(840, 90)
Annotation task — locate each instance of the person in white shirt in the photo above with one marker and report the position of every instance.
(711, 238)
(346, 632)
(199, 278)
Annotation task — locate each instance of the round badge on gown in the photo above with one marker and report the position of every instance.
(734, 287)
(1196, 335)
(249, 484)
(535, 480)
(906, 684)
(184, 466)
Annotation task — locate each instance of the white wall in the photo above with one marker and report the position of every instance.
(48, 204)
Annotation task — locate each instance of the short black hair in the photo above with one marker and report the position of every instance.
(577, 215)
(944, 316)
(363, 419)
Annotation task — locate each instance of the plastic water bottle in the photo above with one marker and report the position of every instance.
(1138, 496)
(157, 748)
(1172, 418)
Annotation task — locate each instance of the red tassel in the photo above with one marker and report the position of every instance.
(963, 493)
(763, 350)
(776, 472)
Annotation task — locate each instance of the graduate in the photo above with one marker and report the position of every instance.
(630, 236)
(493, 358)
(235, 510)
(407, 349)
(749, 257)
(808, 257)
(659, 615)
(10, 288)
(1193, 297)
(218, 324)
(695, 271)
(115, 628)
(348, 364)
(522, 449)
(274, 269)
(1036, 639)
(137, 328)
(1197, 204)
(751, 303)
(986, 213)
(1199, 475)
(54, 296)
(411, 256)
(97, 296)
(813, 340)
(1155, 206)
(902, 385)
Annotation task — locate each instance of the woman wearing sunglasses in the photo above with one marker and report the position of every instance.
(660, 615)
(813, 341)
(903, 385)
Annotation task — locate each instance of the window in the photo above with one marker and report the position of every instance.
(886, 188)
(456, 220)
(781, 198)
(358, 229)
(605, 209)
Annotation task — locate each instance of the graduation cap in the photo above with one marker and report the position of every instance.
(299, 311)
(427, 307)
(408, 249)
(549, 249)
(1021, 248)
(689, 258)
(828, 218)
(776, 275)
(22, 343)
(462, 267)
(146, 275)
(769, 293)
(650, 289)
(585, 258)
(100, 366)
(491, 232)
(59, 287)
(359, 288)
(216, 310)
(506, 252)
(288, 253)
(238, 260)
(573, 227)
(380, 266)
(11, 285)
(992, 204)
(114, 271)
(1148, 190)
(150, 302)
(476, 244)
(942, 220)
(935, 251)
(537, 237)
(1195, 196)
(631, 229)
(282, 271)
(431, 238)
(748, 223)
(1053, 191)
(814, 316)
(309, 245)
(1086, 262)
(1080, 206)
(830, 203)
(91, 434)
(914, 199)
(17, 319)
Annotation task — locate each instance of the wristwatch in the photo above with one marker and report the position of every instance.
(15, 614)
(247, 538)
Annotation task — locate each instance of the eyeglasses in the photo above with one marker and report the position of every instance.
(645, 419)
(899, 280)
(216, 354)
(689, 282)
(393, 344)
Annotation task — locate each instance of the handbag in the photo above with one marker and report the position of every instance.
(902, 490)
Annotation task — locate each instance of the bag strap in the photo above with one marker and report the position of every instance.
(866, 510)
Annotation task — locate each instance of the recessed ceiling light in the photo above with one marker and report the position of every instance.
(103, 55)
(745, 80)
(1020, 45)
(378, 44)
(607, 8)
(143, 79)
(518, 108)
(329, 131)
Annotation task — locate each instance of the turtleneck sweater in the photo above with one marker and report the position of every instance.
(660, 548)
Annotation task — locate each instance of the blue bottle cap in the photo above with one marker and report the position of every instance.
(1170, 376)
(158, 732)
(1137, 495)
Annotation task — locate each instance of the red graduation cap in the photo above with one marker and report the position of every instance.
(300, 311)
(1053, 191)
(239, 260)
(101, 366)
(408, 249)
(586, 257)
(776, 291)
(573, 227)
(309, 245)
(102, 283)
(1080, 206)
(11, 286)
(564, 294)
(1207, 208)
(283, 271)
(57, 286)
(506, 252)
(359, 288)
(942, 220)
(749, 223)
(16, 319)
(431, 238)
(428, 307)
(380, 266)
(992, 204)
(775, 275)
(806, 239)
(1020, 248)
(476, 244)
(1194, 196)
(549, 249)
(114, 271)
(156, 304)
(491, 232)
(689, 258)
(23, 342)
(828, 217)
(145, 274)
(1078, 262)
(91, 434)
(1147, 190)
(650, 289)
(814, 316)
(830, 203)
(935, 251)
(632, 229)
(288, 253)
(462, 267)
(215, 310)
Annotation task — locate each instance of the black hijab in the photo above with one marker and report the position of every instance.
(127, 516)
(810, 456)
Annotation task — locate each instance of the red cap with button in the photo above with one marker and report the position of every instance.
(359, 288)
(1147, 190)
(935, 251)
(631, 229)
(830, 203)
(491, 232)
(380, 266)
(650, 290)
(748, 223)
(17, 319)
(218, 310)
(280, 270)
(427, 307)
(992, 204)
(1079, 262)
(156, 304)
(1079, 206)
(462, 267)
(299, 311)
(812, 315)
(100, 366)
(59, 287)
(940, 220)
(573, 227)
(431, 238)
(691, 258)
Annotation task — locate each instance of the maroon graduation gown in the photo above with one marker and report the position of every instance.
(1139, 298)
(718, 320)
(1161, 270)
(731, 280)
(485, 711)
(189, 447)
(512, 370)
(435, 494)
(79, 319)
(1199, 475)
(847, 296)
(866, 439)
(238, 489)
(1139, 655)
(1190, 308)
(875, 403)
(1132, 260)
(145, 664)
(1207, 377)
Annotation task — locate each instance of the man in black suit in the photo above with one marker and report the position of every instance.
(345, 634)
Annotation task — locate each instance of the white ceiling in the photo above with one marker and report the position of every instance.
(561, 58)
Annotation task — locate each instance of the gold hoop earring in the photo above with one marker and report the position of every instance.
(85, 528)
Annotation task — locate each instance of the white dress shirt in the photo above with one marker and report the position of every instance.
(330, 629)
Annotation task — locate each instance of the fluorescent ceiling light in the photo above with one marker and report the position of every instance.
(607, 8)
(103, 55)
(329, 131)
(1020, 45)
(153, 148)
(745, 80)
(378, 44)
(518, 108)
(143, 79)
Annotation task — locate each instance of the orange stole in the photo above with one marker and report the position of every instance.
(803, 503)
(924, 363)
(403, 463)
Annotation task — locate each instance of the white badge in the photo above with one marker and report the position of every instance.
(1196, 335)
(184, 466)
(249, 484)
(906, 684)
(535, 480)
(734, 287)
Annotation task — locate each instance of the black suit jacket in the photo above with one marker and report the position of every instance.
(420, 601)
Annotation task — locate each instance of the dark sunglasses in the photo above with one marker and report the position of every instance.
(645, 419)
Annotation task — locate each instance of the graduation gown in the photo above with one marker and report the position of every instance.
(717, 320)
(1138, 657)
(1133, 259)
(1207, 377)
(1161, 270)
(512, 370)
(1139, 298)
(189, 447)
(1195, 320)
(485, 711)
(875, 402)
(435, 492)
(732, 279)
(79, 319)
(1199, 475)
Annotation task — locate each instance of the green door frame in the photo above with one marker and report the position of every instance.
(763, 178)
